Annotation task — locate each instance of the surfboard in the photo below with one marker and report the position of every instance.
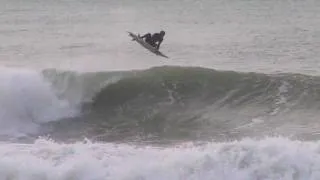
(146, 45)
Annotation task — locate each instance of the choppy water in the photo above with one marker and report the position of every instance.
(238, 98)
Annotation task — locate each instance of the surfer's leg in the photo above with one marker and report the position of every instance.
(152, 44)
(148, 35)
(149, 39)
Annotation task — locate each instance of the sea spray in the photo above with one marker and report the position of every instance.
(26, 101)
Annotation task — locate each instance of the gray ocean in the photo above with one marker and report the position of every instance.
(238, 98)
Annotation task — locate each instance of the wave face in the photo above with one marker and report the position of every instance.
(183, 103)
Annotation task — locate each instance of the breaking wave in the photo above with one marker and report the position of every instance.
(162, 103)
(190, 103)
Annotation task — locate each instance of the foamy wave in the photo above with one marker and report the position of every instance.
(267, 159)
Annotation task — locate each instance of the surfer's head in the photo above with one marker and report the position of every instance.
(162, 33)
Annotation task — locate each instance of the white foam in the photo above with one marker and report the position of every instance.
(271, 158)
(26, 101)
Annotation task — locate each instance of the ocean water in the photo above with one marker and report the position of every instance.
(238, 99)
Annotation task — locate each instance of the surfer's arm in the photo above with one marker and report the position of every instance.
(158, 45)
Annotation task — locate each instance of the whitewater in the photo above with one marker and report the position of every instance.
(238, 99)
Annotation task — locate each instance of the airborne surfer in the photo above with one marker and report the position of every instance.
(152, 43)
(154, 40)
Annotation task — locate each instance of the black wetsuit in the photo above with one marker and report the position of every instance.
(152, 40)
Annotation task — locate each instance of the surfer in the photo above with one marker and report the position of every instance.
(155, 40)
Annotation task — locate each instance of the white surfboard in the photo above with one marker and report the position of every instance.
(146, 45)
